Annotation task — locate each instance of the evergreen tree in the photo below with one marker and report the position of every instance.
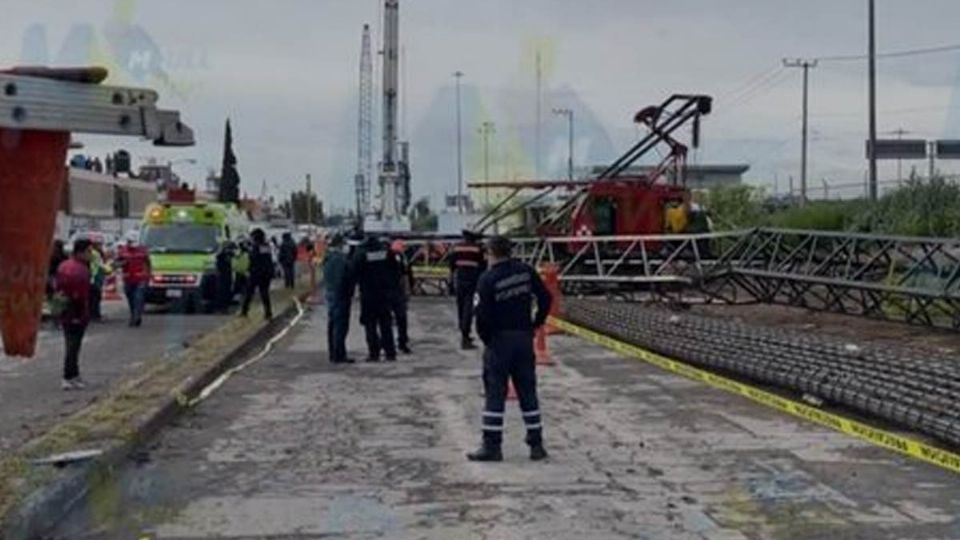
(229, 177)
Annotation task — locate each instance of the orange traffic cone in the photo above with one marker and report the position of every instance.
(540, 348)
(32, 177)
(551, 279)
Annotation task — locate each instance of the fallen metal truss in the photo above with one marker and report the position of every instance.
(907, 279)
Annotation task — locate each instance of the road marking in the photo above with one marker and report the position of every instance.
(218, 382)
(877, 437)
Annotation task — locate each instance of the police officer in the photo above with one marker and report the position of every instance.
(375, 269)
(336, 282)
(400, 295)
(224, 263)
(466, 265)
(261, 273)
(504, 324)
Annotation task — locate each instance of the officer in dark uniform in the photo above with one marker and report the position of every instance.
(504, 324)
(466, 265)
(376, 270)
(261, 273)
(224, 264)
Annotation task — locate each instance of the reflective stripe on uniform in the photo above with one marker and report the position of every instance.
(498, 429)
(532, 413)
(491, 414)
(532, 426)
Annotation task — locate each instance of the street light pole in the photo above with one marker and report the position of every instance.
(568, 113)
(459, 75)
(873, 98)
(486, 129)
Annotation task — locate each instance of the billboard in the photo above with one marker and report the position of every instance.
(948, 149)
(899, 149)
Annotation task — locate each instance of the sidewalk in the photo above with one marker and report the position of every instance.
(31, 400)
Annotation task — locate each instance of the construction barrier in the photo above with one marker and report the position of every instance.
(877, 437)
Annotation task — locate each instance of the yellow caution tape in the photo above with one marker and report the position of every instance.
(886, 439)
(431, 271)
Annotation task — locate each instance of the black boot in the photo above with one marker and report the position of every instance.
(538, 453)
(486, 453)
(466, 344)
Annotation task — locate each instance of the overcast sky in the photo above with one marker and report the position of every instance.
(285, 72)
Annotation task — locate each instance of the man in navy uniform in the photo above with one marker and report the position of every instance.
(374, 266)
(466, 265)
(504, 324)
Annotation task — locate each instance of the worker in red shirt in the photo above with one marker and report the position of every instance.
(73, 288)
(134, 261)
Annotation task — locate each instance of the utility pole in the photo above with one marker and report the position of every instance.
(568, 113)
(805, 65)
(932, 152)
(486, 129)
(459, 75)
(538, 134)
(872, 45)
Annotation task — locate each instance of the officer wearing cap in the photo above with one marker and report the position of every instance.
(504, 324)
(376, 269)
(466, 265)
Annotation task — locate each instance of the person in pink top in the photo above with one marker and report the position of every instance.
(73, 286)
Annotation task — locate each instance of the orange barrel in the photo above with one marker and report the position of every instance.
(551, 279)
(32, 175)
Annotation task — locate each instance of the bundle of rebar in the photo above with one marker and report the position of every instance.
(919, 391)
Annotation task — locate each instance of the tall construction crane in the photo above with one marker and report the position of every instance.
(394, 181)
(365, 127)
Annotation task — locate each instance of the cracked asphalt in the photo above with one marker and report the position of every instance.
(297, 448)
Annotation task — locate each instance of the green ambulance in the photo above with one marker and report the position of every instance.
(183, 239)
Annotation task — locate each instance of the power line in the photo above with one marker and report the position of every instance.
(893, 54)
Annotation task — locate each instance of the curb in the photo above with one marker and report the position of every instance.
(44, 508)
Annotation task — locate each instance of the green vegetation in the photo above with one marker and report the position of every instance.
(919, 208)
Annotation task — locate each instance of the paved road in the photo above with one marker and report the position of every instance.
(297, 448)
(30, 397)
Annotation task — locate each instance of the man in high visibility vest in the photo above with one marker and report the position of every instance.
(466, 264)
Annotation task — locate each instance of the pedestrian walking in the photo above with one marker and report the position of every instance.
(224, 263)
(400, 295)
(288, 259)
(504, 324)
(466, 265)
(261, 273)
(73, 288)
(375, 269)
(337, 293)
(134, 262)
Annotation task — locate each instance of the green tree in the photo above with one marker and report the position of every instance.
(422, 217)
(298, 208)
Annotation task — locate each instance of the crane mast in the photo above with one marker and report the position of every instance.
(394, 181)
(364, 174)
